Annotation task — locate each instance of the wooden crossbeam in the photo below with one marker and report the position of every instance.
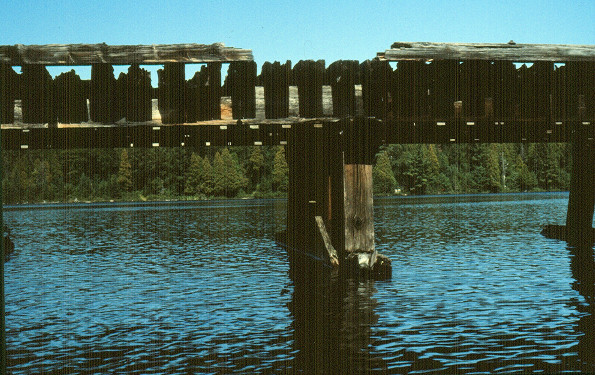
(151, 54)
(511, 51)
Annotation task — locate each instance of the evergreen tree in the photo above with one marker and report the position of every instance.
(228, 177)
(280, 170)
(383, 177)
(255, 166)
(194, 176)
(125, 172)
(206, 185)
(492, 166)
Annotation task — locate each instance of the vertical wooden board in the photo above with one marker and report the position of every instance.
(70, 98)
(359, 214)
(38, 96)
(192, 104)
(137, 94)
(444, 88)
(8, 91)
(309, 76)
(559, 94)
(401, 92)
(276, 79)
(104, 94)
(212, 87)
(172, 93)
(474, 88)
(342, 76)
(241, 80)
(504, 80)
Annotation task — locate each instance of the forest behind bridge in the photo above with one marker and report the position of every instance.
(136, 174)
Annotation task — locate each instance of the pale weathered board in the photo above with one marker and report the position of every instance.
(488, 51)
(85, 54)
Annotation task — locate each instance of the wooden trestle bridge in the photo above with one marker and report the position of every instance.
(435, 93)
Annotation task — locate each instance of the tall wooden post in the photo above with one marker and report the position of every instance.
(172, 98)
(359, 215)
(37, 96)
(581, 201)
(8, 89)
(102, 96)
(359, 147)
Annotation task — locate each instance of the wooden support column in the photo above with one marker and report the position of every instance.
(104, 103)
(581, 201)
(360, 144)
(8, 90)
(172, 98)
(38, 96)
(359, 214)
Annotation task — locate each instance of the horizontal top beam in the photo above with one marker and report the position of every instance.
(510, 51)
(86, 54)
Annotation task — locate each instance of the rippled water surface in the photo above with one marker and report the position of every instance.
(203, 288)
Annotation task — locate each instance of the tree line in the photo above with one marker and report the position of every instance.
(261, 172)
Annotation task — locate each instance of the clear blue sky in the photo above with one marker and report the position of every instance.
(299, 29)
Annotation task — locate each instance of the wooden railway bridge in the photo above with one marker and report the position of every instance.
(435, 93)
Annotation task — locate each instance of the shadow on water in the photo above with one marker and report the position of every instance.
(332, 323)
(582, 265)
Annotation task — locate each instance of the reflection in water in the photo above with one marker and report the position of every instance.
(332, 323)
(201, 288)
(582, 265)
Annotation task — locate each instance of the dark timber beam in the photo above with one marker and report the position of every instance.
(152, 54)
(511, 51)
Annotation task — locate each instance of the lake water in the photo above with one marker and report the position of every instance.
(203, 288)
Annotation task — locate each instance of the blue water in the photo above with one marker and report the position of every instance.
(203, 288)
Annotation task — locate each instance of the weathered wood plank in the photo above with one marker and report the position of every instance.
(8, 88)
(332, 253)
(359, 213)
(85, 54)
(70, 99)
(172, 93)
(241, 83)
(103, 100)
(488, 51)
(276, 79)
(38, 96)
(309, 77)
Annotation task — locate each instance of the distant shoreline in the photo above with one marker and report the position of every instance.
(246, 201)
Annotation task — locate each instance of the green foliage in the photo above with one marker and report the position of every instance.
(228, 177)
(180, 173)
(280, 176)
(382, 175)
(125, 172)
